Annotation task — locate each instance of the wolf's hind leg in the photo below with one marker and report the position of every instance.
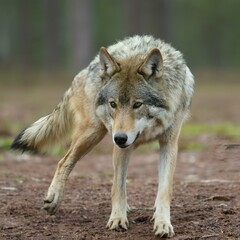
(118, 219)
(80, 146)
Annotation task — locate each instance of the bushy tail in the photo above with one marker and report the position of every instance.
(47, 130)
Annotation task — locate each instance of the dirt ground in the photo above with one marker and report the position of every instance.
(205, 202)
(206, 195)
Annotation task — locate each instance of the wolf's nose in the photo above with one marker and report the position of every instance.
(120, 139)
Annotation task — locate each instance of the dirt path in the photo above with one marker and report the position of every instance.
(205, 205)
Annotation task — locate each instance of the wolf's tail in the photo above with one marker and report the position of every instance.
(47, 130)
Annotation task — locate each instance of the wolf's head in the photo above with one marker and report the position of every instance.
(130, 100)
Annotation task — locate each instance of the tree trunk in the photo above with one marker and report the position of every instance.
(82, 33)
(54, 34)
(24, 41)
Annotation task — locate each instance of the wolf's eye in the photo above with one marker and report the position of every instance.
(137, 105)
(113, 104)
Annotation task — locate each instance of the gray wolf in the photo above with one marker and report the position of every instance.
(139, 90)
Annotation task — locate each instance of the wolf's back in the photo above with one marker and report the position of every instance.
(47, 130)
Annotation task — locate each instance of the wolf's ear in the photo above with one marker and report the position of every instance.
(108, 63)
(152, 64)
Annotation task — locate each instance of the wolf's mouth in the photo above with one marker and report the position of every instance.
(127, 145)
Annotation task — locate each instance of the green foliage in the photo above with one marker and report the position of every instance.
(206, 32)
(108, 22)
(41, 33)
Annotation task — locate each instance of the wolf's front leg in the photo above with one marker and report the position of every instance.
(83, 144)
(118, 218)
(162, 222)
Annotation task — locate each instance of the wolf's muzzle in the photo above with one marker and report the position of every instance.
(121, 139)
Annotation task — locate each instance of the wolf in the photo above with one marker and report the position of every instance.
(139, 90)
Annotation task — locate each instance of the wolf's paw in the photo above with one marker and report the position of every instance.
(52, 200)
(163, 228)
(118, 224)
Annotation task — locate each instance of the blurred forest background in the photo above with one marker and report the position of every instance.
(66, 34)
(44, 43)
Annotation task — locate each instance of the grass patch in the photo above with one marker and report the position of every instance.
(226, 129)
(5, 142)
(192, 130)
(189, 131)
(148, 147)
(58, 151)
(191, 146)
